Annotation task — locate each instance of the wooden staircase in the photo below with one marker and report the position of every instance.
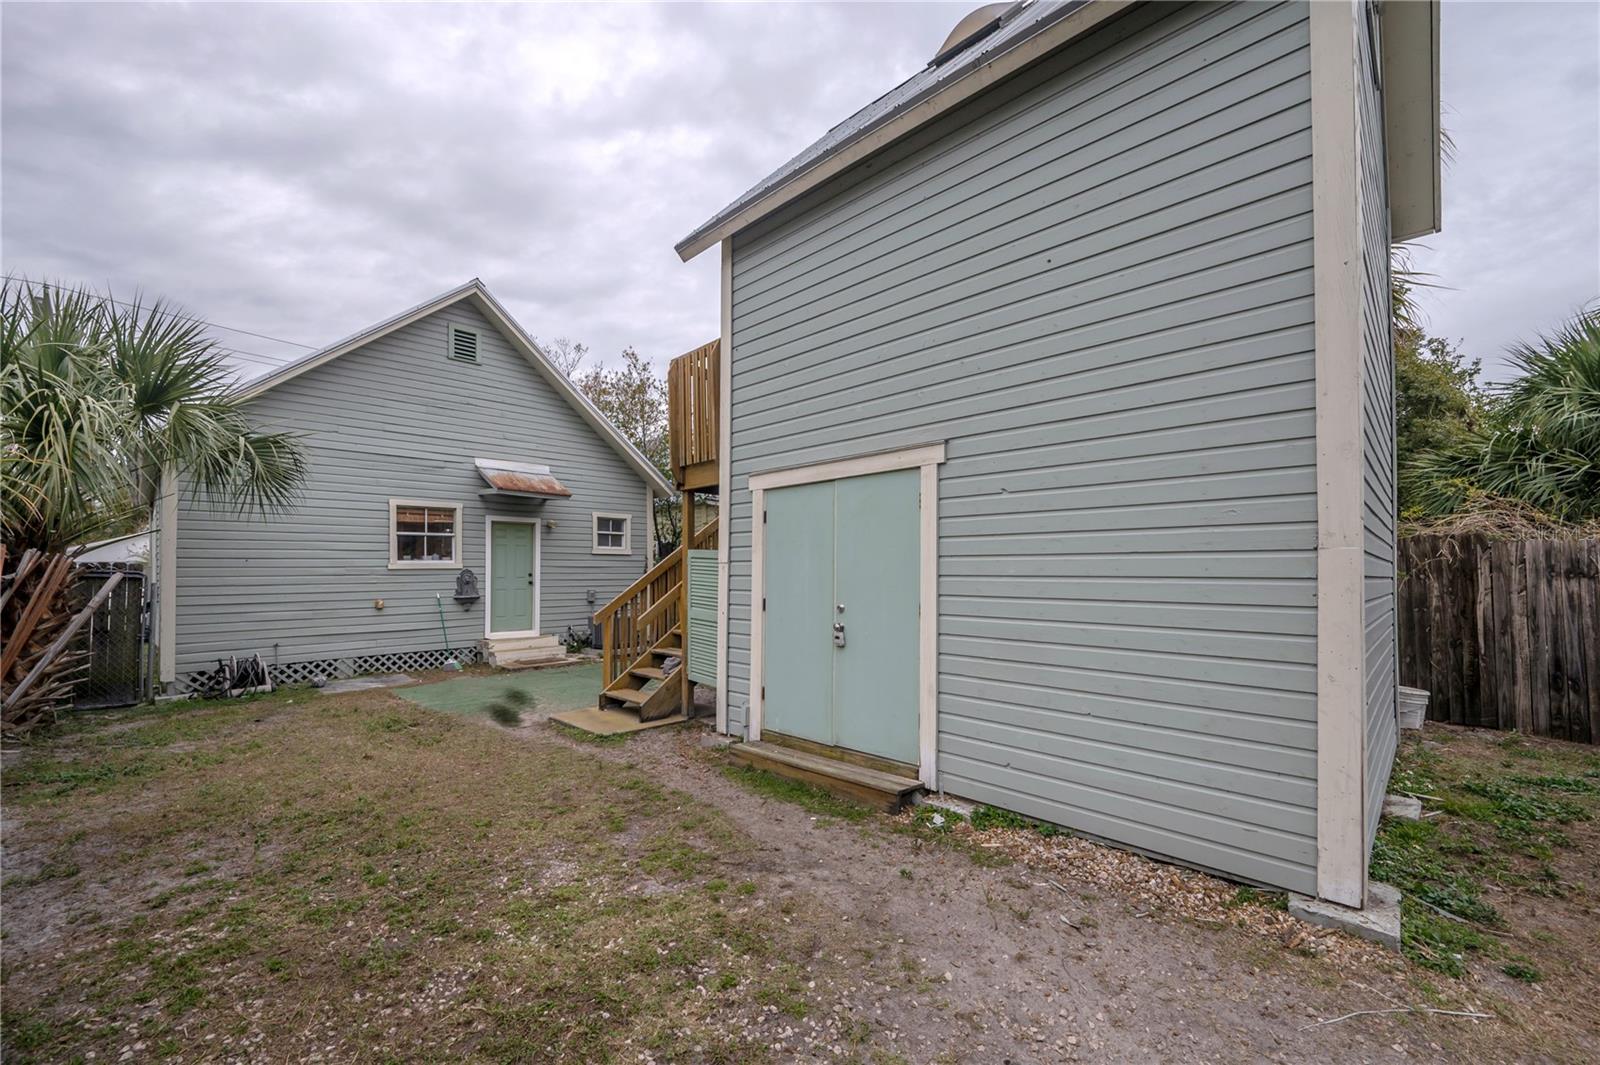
(650, 687)
(643, 666)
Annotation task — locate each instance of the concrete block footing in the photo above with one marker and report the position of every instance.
(1378, 921)
(945, 802)
(1403, 807)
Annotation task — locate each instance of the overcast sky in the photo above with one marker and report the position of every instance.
(304, 170)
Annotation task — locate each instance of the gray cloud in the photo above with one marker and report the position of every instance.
(1520, 250)
(303, 170)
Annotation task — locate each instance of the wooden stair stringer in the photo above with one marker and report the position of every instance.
(626, 694)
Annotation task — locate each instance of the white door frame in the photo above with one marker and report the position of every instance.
(488, 573)
(926, 459)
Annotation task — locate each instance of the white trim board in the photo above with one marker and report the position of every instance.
(926, 459)
(627, 532)
(454, 562)
(488, 572)
(479, 295)
(1336, 270)
(166, 562)
(724, 482)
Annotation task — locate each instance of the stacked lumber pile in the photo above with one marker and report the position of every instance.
(39, 664)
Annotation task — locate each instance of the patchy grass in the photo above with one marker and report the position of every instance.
(1501, 812)
(360, 877)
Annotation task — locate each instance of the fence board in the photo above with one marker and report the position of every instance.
(1503, 634)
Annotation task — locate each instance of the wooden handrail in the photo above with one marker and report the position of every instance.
(639, 585)
(706, 538)
(648, 609)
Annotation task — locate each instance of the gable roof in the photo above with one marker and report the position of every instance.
(477, 294)
(919, 99)
(1029, 30)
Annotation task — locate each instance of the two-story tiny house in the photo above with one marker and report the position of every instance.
(1056, 428)
(464, 500)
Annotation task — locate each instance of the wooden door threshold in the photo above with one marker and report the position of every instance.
(871, 787)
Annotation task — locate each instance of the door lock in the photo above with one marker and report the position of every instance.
(838, 634)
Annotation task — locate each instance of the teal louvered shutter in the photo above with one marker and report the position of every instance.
(702, 646)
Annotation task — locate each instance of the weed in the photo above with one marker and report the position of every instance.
(985, 817)
(1519, 970)
(1249, 896)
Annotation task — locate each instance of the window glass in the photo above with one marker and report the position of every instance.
(610, 533)
(424, 534)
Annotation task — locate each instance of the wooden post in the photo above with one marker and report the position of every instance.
(685, 538)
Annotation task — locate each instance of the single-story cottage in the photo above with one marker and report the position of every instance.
(464, 500)
(1056, 454)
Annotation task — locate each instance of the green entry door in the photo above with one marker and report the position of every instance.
(841, 572)
(511, 576)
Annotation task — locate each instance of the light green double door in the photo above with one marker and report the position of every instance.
(840, 577)
(511, 576)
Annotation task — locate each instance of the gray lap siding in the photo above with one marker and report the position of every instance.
(1378, 442)
(1094, 285)
(396, 419)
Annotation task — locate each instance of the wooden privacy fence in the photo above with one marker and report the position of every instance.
(1503, 633)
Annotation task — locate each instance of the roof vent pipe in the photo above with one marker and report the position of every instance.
(976, 25)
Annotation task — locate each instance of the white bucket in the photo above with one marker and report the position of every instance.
(1413, 707)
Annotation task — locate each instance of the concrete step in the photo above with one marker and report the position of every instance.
(871, 787)
(519, 652)
(520, 643)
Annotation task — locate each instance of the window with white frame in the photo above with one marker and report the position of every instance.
(611, 534)
(424, 534)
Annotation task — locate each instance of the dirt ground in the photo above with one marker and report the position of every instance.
(357, 878)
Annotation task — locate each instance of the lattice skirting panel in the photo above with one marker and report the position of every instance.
(206, 682)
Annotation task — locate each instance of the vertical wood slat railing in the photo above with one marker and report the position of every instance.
(693, 398)
(649, 609)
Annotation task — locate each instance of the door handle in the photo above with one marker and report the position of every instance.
(838, 634)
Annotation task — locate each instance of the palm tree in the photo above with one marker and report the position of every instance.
(1539, 444)
(98, 400)
(98, 397)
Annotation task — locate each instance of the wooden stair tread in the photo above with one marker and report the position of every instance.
(627, 695)
(650, 672)
(872, 786)
(668, 651)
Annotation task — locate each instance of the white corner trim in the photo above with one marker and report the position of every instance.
(455, 561)
(594, 532)
(928, 626)
(926, 459)
(724, 480)
(880, 462)
(489, 522)
(1336, 270)
(167, 577)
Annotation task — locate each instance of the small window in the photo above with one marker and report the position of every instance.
(463, 344)
(424, 534)
(611, 534)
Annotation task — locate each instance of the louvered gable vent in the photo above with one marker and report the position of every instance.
(463, 344)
